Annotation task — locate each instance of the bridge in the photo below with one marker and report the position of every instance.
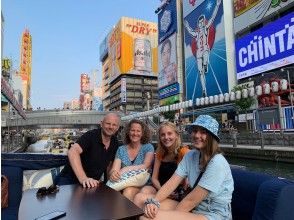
(53, 119)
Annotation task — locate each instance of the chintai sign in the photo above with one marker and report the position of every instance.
(266, 49)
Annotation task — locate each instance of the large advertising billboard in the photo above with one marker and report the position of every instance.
(205, 50)
(248, 12)
(167, 20)
(133, 48)
(267, 48)
(167, 62)
(85, 83)
(86, 101)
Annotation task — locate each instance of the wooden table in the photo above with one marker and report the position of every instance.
(79, 203)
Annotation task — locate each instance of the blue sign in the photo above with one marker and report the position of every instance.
(167, 20)
(103, 48)
(267, 48)
(169, 91)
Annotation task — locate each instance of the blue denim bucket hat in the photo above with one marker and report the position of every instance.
(207, 122)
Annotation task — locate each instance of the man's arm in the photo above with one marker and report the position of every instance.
(74, 156)
(190, 30)
(214, 13)
(114, 174)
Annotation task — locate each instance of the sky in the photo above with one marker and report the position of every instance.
(66, 35)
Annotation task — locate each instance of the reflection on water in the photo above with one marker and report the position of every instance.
(280, 169)
(38, 147)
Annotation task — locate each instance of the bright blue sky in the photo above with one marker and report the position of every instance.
(66, 35)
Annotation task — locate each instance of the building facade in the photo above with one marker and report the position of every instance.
(129, 66)
(228, 45)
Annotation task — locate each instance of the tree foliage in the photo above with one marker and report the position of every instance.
(170, 115)
(243, 104)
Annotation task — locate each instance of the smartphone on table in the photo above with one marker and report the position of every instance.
(52, 215)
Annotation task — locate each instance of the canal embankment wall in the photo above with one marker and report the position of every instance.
(270, 153)
(271, 146)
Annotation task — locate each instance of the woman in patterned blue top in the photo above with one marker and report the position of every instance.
(209, 175)
(136, 153)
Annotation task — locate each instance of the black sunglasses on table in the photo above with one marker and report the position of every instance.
(46, 191)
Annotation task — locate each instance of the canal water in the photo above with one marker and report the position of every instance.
(285, 170)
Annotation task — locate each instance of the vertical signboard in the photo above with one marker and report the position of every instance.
(103, 48)
(85, 83)
(113, 43)
(86, 101)
(205, 49)
(167, 20)
(268, 48)
(168, 86)
(167, 62)
(123, 90)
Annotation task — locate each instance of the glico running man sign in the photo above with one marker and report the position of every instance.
(267, 48)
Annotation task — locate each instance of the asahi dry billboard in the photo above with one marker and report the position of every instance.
(133, 48)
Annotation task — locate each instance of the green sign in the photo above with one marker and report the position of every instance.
(6, 64)
(170, 100)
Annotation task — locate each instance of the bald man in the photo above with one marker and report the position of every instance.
(92, 154)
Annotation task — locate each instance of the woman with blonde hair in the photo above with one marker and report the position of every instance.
(208, 173)
(169, 153)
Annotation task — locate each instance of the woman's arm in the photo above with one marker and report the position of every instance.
(155, 173)
(152, 205)
(168, 187)
(193, 199)
(145, 165)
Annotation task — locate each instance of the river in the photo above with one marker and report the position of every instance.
(38, 147)
(285, 170)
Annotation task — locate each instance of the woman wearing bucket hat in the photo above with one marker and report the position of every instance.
(208, 173)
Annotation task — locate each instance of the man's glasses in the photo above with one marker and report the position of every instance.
(47, 191)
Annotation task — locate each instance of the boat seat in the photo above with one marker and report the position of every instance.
(256, 196)
(260, 196)
(13, 166)
(15, 178)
